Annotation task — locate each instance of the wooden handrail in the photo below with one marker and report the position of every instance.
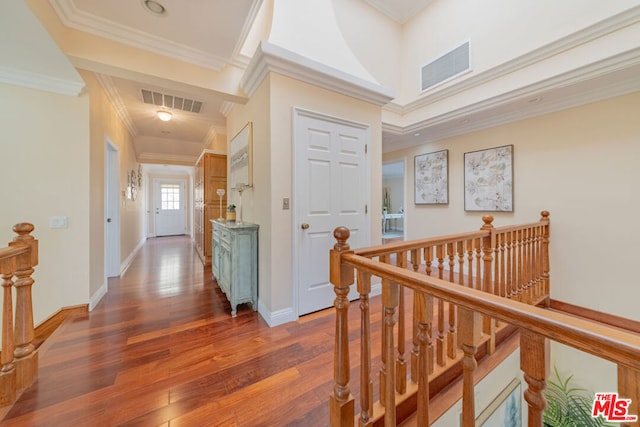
(494, 277)
(600, 340)
(18, 360)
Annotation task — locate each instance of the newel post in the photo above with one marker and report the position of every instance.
(341, 276)
(26, 359)
(488, 243)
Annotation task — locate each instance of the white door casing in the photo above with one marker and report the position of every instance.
(331, 189)
(170, 218)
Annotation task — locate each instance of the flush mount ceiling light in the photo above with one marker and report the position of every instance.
(163, 115)
(154, 7)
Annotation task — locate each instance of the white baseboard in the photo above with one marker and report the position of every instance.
(97, 296)
(127, 262)
(276, 318)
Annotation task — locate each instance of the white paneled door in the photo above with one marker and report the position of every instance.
(170, 207)
(331, 189)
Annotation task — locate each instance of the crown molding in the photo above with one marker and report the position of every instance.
(116, 101)
(586, 35)
(271, 58)
(74, 18)
(39, 81)
(226, 108)
(452, 123)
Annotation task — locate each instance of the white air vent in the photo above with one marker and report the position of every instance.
(170, 101)
(445, 67)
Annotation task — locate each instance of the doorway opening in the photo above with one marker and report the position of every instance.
(393, 201)
(112, 211)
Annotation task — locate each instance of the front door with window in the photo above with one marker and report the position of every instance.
(170, 207)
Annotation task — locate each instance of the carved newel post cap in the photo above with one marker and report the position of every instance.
(487, 219)
(23, 230)
(342, 235)
(545, 214)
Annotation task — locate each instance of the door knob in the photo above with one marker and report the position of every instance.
(304, 226)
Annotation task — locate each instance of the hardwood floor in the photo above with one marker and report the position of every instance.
(161, 349)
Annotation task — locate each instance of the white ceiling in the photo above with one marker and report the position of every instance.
(211, 34)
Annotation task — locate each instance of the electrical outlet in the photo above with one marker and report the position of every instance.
(285, 204)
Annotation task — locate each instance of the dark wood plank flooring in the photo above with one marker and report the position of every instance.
(161, 349)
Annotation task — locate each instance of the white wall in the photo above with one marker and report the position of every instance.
(45, 172)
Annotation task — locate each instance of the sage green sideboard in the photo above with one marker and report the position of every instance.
(234, 262)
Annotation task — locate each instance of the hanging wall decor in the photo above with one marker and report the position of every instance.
(488, 180)
(431, 178)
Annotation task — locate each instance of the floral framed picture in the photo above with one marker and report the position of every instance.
(431, 178)
(488, 180)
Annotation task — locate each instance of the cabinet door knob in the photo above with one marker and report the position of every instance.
(304, 226)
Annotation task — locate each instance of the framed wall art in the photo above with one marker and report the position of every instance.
(488, 180)
(431, 178)
(241, 158)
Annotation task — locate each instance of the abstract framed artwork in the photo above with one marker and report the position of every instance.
(431, 178)
(241, 158)
(505, 409)
(488, 180)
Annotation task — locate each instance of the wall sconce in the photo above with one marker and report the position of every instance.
(163, 115)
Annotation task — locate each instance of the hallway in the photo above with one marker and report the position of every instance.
(161, 349)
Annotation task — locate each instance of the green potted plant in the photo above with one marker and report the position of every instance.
(231, 212)
(569, 406)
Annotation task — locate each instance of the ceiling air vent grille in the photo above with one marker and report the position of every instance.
(447, 66)
(171, 101)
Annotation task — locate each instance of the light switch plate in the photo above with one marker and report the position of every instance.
(285, 204)
(58, 222)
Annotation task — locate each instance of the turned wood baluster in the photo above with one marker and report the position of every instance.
(341, 276)
(428, 256)
(441, 344)
(470, 274)
(478, 247)
(415, 351)
(389, 304)
(401, 363)
(7, 369)
(366, 384)
(521, 296)
(534, 363)
(489, 324)
(510, 288)
(499, 266)
(527, 265)
(424, 314)
(536, 263)
(470, 335)
(452, 343)
(26, 358)
(545, 256)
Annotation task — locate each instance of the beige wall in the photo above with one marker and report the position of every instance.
(106, 124)
(45, 172)
(273, 180)
(581, 165)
